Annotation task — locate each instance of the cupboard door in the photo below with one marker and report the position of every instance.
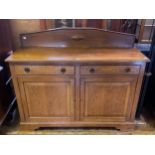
(47, 98)
(107, 98)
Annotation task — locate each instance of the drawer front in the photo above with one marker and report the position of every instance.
(27, 69)
(91, 70)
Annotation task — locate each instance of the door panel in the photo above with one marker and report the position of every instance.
(47, 98)
(107, 98)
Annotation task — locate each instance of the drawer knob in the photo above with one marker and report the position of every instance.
(92, 70)
(127, 70)
(63, 70)
(27, 70)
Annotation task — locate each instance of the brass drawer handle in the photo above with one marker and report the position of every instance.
(63, 70)
(127, 70)
(27, 70)
(92, 70)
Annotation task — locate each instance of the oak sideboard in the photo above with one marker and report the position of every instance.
(77, 78)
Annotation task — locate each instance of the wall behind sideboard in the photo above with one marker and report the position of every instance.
(23, 26)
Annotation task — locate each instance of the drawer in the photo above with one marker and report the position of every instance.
(30, 69)
(109, 70)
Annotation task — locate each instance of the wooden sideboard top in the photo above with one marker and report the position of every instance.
(77, 45)
(44, 54)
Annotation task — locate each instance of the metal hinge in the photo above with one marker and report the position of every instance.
(148, 74)
(1, 68)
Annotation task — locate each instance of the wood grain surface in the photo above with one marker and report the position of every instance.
(76, 55)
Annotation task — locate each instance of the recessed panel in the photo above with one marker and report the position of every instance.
(48, 99)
